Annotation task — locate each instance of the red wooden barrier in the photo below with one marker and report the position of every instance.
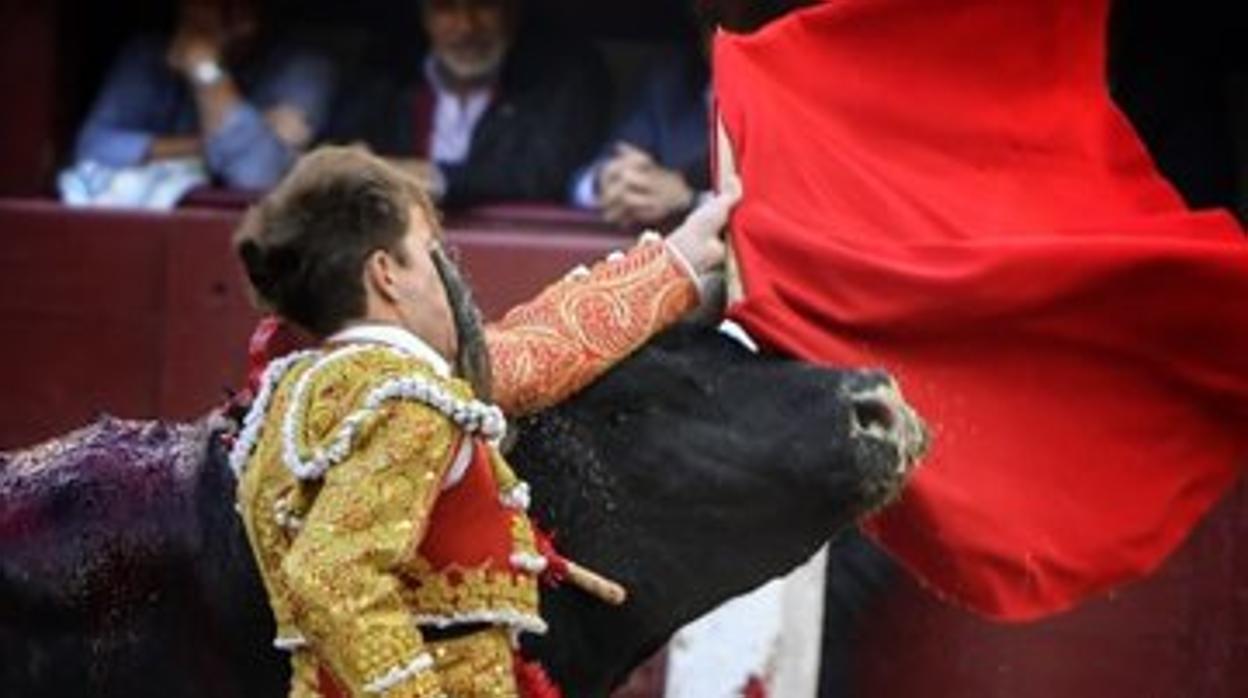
(143, 314)
(29, 66)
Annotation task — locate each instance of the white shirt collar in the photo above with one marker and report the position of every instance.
(398, 338)
(455, 118)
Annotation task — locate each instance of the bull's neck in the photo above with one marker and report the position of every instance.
(592, 647)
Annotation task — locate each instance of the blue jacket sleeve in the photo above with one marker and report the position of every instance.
(245, 152)
(120, 126)
(640, 127)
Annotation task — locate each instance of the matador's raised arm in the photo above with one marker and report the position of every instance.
(545, 350)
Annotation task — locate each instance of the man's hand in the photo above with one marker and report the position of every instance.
(200, 37)
(699, 239)
(207, 31)
(290, 125)
(635, 190)
(625, 159)
(173, 148)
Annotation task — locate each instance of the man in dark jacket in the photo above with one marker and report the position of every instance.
(490, 113)
(246, 105)
(655, 166)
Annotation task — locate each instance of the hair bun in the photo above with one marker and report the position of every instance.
(256, 263)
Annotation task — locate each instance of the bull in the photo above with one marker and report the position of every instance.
(692, 472)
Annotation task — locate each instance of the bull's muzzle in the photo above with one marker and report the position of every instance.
(880, 412)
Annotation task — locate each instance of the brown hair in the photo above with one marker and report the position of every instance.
(305, 244)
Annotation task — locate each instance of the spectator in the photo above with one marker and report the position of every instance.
(491, 112)
(655, 166)
(209, 92)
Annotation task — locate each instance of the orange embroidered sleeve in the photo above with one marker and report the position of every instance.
(547, 349)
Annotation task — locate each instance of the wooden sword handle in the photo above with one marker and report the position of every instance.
(596, 585)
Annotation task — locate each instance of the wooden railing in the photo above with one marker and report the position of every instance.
(147, 314)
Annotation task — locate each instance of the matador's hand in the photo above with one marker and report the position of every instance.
(699, 239)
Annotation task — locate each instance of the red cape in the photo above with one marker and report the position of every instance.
(944, 188)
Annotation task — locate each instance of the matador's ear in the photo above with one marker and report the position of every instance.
(381, 275)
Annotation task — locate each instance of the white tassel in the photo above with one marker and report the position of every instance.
(471, 416)
(524, 622)
(529, 562)
(249, 435)
(518, 497)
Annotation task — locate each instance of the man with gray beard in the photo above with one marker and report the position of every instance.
(391, 535)
(492, 111)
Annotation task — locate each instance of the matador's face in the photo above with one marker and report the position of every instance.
(419, 296)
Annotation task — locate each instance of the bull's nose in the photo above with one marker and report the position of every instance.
(881, 411)
(873, 414)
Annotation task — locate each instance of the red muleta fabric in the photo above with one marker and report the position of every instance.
(944, 188)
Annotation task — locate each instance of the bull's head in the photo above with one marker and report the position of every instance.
(696, 471)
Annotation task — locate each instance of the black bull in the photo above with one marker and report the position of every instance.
(692, 472)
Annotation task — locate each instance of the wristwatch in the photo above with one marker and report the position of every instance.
(206, 73)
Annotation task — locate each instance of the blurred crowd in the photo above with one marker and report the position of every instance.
(494, 101)
(481, 105)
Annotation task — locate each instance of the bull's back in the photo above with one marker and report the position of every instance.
(103, 558)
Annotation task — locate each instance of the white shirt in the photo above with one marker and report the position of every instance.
(397, 337)
(455, 117)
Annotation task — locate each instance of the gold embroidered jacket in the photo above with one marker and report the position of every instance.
(376, 502)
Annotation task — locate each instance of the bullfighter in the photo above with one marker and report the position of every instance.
(389, 531)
